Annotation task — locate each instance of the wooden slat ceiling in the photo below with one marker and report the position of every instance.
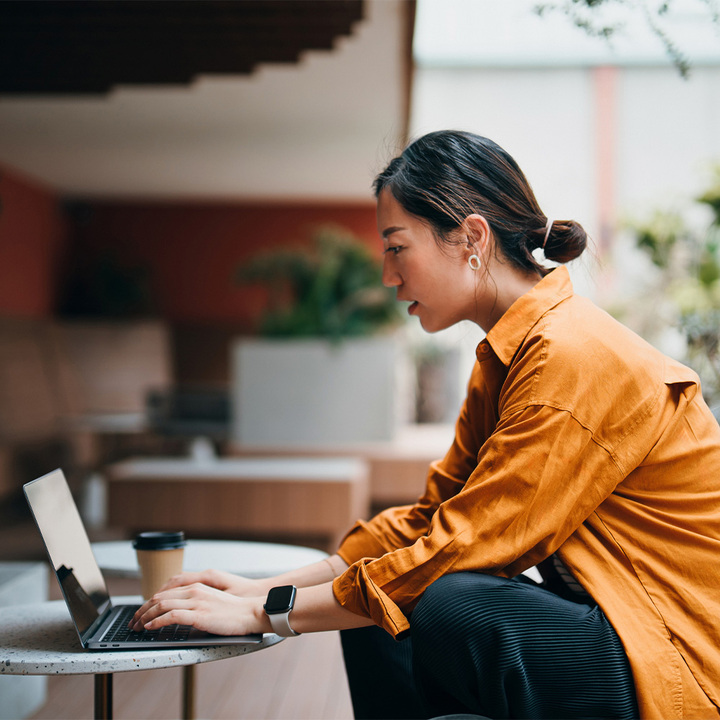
(89, 46)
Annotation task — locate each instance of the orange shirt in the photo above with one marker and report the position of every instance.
(576, 438)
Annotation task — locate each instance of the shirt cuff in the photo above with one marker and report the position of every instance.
(356, 591)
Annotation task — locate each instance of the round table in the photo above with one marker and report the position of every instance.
(249, 559)
(40, 639)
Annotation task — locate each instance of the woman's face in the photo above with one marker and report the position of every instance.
(437, 281)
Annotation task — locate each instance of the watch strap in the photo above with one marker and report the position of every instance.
(280, 623)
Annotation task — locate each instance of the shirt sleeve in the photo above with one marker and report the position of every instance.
(401, 526)
(516, 508)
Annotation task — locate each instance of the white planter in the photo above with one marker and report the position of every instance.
(312, 393)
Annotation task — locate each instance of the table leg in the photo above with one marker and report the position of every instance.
(103, 696)
(188, 690)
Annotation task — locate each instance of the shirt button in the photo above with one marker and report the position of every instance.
(484, 348)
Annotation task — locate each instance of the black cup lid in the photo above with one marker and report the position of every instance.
(159, 540)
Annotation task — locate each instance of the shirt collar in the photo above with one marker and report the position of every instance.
(512, 328)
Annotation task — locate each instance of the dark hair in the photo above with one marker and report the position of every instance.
(445, 176)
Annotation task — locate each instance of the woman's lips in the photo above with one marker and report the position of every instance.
(412, 308)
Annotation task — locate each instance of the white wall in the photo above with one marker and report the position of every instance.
(542, 118)
(668, 135)
(663, 133)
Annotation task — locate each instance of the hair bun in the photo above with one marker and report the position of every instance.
(566, 241)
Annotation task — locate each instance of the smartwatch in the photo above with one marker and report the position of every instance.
(278, 606)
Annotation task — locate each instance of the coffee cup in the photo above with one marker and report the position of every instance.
(160, 556)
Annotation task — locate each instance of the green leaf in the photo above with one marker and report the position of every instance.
(332, 289)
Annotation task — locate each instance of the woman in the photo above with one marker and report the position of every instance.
(579, 449)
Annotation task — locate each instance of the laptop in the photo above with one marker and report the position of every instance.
(100, 624)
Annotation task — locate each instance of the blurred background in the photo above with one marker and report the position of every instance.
(185, 186)
(189, 262)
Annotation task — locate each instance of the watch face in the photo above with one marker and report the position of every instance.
(280, 599)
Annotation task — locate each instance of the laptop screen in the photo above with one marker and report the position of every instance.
(68, 547)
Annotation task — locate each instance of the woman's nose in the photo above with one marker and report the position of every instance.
(390, 277)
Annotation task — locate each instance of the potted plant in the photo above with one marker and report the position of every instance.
(324, 369)
(331, 290)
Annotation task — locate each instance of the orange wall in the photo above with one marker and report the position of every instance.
(192, 250)
(33, 234)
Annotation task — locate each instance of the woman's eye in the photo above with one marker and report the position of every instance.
(394, 249)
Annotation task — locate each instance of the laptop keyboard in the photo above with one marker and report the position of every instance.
(120, 632)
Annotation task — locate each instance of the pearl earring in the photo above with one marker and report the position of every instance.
(474, 262)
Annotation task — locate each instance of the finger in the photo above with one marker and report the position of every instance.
(176, 582)
(165, 600)
(163, 608)
(139, 613)
(211, 578)
(186, 578)
(182, 615)
(149, 609)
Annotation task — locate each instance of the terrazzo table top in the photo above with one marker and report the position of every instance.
(249, 559)
(40, 639)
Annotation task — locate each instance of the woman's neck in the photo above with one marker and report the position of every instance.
(503, 285)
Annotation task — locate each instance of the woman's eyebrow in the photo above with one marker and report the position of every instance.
(389, 231)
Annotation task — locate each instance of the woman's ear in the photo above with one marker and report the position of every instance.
(478, 234)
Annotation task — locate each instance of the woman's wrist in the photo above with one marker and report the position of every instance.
(312, 609)
(261, 620)
(264, 585)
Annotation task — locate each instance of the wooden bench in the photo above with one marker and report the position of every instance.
(397, 468)
(278, 498)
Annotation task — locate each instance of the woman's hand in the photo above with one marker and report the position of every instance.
(207, 608)
(220, 580)
(223, 603)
